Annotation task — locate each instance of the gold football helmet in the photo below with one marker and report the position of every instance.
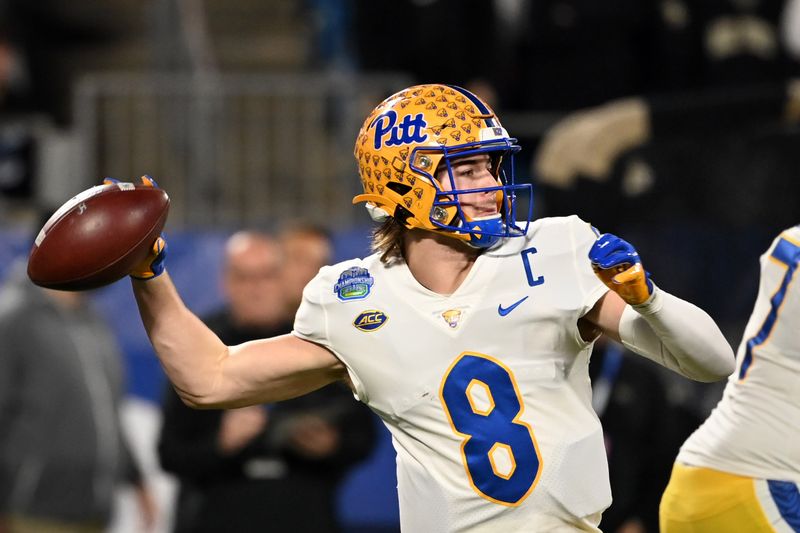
(414, 133)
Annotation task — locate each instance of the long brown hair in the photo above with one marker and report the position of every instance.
(387, 240)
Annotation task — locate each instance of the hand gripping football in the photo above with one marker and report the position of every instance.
(98, 236)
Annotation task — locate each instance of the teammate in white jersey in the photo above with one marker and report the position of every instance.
(467, 333)
(739, 472)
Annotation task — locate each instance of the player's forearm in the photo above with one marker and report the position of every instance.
(190, 353)
(679, 336)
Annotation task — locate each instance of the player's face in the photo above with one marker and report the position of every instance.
(472, 172)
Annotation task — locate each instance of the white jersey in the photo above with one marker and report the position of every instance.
(486, 392)
(755, 429)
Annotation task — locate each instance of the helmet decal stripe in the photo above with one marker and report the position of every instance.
(477, 102)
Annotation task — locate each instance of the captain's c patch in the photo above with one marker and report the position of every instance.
(370, 320)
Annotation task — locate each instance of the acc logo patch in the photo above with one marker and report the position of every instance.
(370, 320)
(354, 284)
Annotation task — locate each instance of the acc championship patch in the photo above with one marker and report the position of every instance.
(354, 284)
(370, 320)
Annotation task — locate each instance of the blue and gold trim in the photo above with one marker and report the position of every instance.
(482, 108)
(787, 499)
(787, 254)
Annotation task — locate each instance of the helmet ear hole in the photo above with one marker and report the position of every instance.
(399, 188)
(401, 214)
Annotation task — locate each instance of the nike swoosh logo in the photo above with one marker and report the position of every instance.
(503, 311)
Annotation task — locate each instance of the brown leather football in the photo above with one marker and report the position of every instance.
(98, 236)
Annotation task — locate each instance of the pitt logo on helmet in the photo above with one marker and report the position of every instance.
(408, 131)
(370, 320)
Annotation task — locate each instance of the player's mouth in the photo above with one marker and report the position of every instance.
(478, 212)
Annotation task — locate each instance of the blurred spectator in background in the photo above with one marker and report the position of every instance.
(740, 472)
(62, 450)
(791, 27)
(14, 78)
(640, 433)
(700, 163)
(729, 69)
(17, 137)
(306, 248)
(57, 43)
(707, 156)
(279, 464)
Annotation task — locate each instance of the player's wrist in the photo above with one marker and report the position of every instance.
(147, 276)
(153, 271)
(652, 305)
(154, 285)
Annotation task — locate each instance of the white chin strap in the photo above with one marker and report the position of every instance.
(376, 213)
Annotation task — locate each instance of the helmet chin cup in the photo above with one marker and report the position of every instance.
(485, 232)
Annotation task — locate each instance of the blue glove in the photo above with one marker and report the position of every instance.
(618, 265)
(153, 265)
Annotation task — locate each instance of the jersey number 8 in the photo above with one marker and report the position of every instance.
(484, 406)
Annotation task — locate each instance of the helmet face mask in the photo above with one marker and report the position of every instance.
(414, 136)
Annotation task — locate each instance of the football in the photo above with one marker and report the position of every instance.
(98, 236)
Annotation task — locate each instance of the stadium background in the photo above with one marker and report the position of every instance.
(245, 111)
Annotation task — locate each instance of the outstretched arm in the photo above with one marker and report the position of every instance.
(651, 322)
(207, 373)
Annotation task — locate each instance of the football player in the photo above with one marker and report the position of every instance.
(739, 472)
(468, 332)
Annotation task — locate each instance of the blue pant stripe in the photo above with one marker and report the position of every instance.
(787, 499)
